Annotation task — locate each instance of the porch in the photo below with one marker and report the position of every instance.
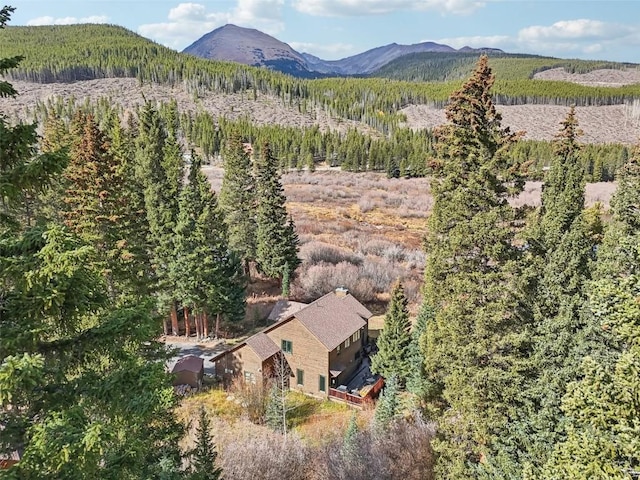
(360, 388)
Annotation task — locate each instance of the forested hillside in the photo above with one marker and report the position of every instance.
(72, 54)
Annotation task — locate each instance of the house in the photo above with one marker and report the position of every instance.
(189, 370)
(323, 344)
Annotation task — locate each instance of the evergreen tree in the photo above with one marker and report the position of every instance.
(560, 257)
(277, 246)
(275, 416)
(203, 456)
(161, 205)
(69, 358)
(393, 356)
(417, 383)
(350, 442)
(602, 433)
(208, 275)
(472, 347)
(276, 409)
(237, 200)
(97, 208)
(387, 408)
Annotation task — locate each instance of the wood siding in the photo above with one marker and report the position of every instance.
(235, 363)
(348, 359)
(308, 355)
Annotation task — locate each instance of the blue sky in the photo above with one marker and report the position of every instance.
(332, 29)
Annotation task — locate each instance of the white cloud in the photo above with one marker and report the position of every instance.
(332, 50)
(345, 8)
(580, 36)
(494, 41)
(48, 20)
(187, 22)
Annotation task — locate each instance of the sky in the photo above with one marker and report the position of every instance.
(334, 29)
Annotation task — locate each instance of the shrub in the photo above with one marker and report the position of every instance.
(402, 451)
(265, 455)
(318, 252)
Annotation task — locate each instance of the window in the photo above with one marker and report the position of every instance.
(249, 377)
(322, 383)
(287, 346)
(338, 349)
(300, 376)
(347, 342)
(355, 337)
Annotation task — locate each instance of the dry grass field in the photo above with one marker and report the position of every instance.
(365, 231)
(360, 230)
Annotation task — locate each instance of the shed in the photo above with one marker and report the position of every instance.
(189, 370)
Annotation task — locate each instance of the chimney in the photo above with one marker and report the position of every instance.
(341, 292)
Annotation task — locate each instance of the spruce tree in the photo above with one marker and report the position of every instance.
(208, 275)
(275, 415)
(472, 346)
(560, 257)
(97, 207)
(350, 443)
(277, 246)
(69, 357)
(417, 382)
(238, 201)
(394, 352)
(602, 431)
(203, 456)
(161, 205)
(388, 405)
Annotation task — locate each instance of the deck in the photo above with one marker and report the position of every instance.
(361, 388)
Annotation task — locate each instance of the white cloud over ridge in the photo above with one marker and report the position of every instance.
(324, 51)
(347, 8)
(48, 20)
(187, 22)
(563, 38)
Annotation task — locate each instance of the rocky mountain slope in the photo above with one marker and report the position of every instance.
(252, 47)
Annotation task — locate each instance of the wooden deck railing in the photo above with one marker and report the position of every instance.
(357, 399)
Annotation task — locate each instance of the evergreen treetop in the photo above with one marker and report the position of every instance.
(394, 352)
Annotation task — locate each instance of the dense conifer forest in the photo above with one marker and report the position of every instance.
(524, 358)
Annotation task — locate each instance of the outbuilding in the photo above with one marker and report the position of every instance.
(189, 370)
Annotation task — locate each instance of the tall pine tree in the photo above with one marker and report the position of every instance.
(161, 204)
(472, 346)
(277, 247)
(238, 201)
(208, 274)
(83, 392)
(602, 432)
(394, 352)
(560, 257)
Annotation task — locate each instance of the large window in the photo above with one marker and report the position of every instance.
(287, 346)
(322, 383)
(300, 376)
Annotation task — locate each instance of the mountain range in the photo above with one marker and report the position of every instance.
(253, 47)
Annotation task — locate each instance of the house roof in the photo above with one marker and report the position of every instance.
(333, 318)
(262, 345)
(190, 363)
(284, 309)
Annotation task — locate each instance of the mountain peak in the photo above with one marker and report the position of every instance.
(249, 46)
(253, 47)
